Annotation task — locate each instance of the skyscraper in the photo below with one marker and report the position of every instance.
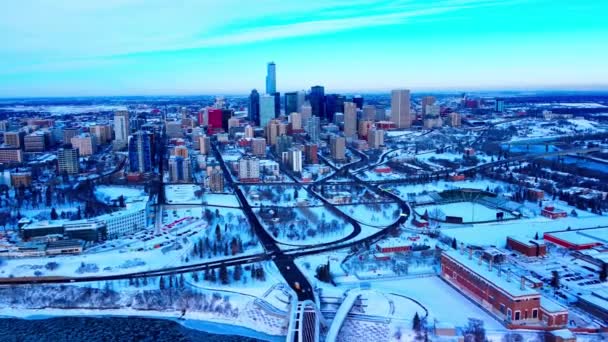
(317, 101)
(291, 102)
(426, 101)
(277, 104)
(140, 152)
(337, 145)
(358, 100)
(266, 109)
(254, 107)
(350, 119)
(121, 128)
(334, 103)
(400, 108)
(179, 169)
(271, 78)
(313, 128)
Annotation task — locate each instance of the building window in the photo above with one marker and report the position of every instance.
(534, 313)
(517, 315)
(502, 308)
(509, 314)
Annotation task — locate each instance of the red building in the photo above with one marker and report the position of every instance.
(528, 247)
(552, 212)
(383, 169)
(420, 223)
(393, 248)
(214, 120)
(310, 152)
(572, 239)
(501, 293)
(457, 178)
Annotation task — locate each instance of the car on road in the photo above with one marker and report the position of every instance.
(297, 286)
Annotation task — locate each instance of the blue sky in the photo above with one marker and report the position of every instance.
(141, 47)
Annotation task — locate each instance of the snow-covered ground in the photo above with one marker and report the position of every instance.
(283, 196)
(109, 193)
(469, 211)
(477, 183)
(372, 214)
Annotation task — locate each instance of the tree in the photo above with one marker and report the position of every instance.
(536, 236)
(195, 277)
(224, 275)
(121, 201)
(54, 215)
(416, 323)
(182, 281)
(218, 232)
(604, 272)
(554, 279)
(161, 283)
(474, 331)
(170, 282)
(238, 272)
(454, 244)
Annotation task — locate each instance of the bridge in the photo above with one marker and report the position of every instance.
(305, 322)
(341, 314)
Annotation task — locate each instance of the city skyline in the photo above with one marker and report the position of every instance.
(131, 48)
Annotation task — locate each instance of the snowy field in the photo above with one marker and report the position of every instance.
(478, 183)
(192, 194)
(469, 211)
(107, 193)
(372, 214)
(283, 196)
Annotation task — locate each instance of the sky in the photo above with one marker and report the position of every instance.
(189, 47)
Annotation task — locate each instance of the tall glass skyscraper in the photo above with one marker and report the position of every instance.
(317, 101)
(271, 79)
(291, 102)
(140, 152)
(254, 107)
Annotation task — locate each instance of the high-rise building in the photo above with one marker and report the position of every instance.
(121, 126)
(301, 100)
(140, 152)
(277, 104)
(67, 161)
(337, 146)
(102, 132)
(426, 101)
(271, 78)
(68, 134)
(368, 113)
(180, 151)
(249, 169)
(179, 169)
(272, 131)
(258, 147)
(358, 100)
(14, 139)
(317, 101)
(86, 144)
(10, 155)
(267, 110)
(35, 142)
(294, 159)
(454, 119)
(214, 120)
(350, 119)
(313, 128)
(310, 152)
(306, 111)
(375, 138)
(254, 107)
(233, 122)
(216, 180)
(291, 102)
(364, 127)
(4, 125)
(174, 129)
(499, 105)
(380, 113)
(248, 131)
(400, 108)
(204, 144)
(284, 143)
(295, 121)
(334, 103)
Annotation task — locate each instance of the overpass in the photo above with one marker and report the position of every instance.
(341, 314)
(305, 322)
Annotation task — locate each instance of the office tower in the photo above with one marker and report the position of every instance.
(9, 155)
(368, 113)
(216, 180)
(499, 105)
(68, 134)
(294, 159)
(313, 128)
(140, 152)
(102, 132)
(338, 119)
(85, 143)
(204, 144)
(233, 122)
(202, 117)
(214, 120)
(67, 161)
(34, 142)
(317, 101)
(337, 146)
(295, 121)
(310, 152)
(358, 100)
(254, 107)
(226, 115)
(454, 119)
(249, 169)
(220, 103)
(301, 96)
(4, 125)
(284, 143)
(14, 139)
(400, 108)
(271, 78)
(266, 109)
(432, 110)
(291, 102)
(426, 101)
(380, 113)
(375, 138)
(272, 131)
(121, 126)
(277, 104)
(432, 121)
(258, 147)
(179, 169)
(249, 131)
(350, 119)
(174, 129)
(364, 127)
(334, 103)
(306, 112)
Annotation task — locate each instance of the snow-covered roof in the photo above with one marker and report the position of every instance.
(512, 287)
(551, 306)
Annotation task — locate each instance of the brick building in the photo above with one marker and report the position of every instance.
(527, 247)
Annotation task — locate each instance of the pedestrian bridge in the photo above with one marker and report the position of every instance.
(305, 322)
(343, 310)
